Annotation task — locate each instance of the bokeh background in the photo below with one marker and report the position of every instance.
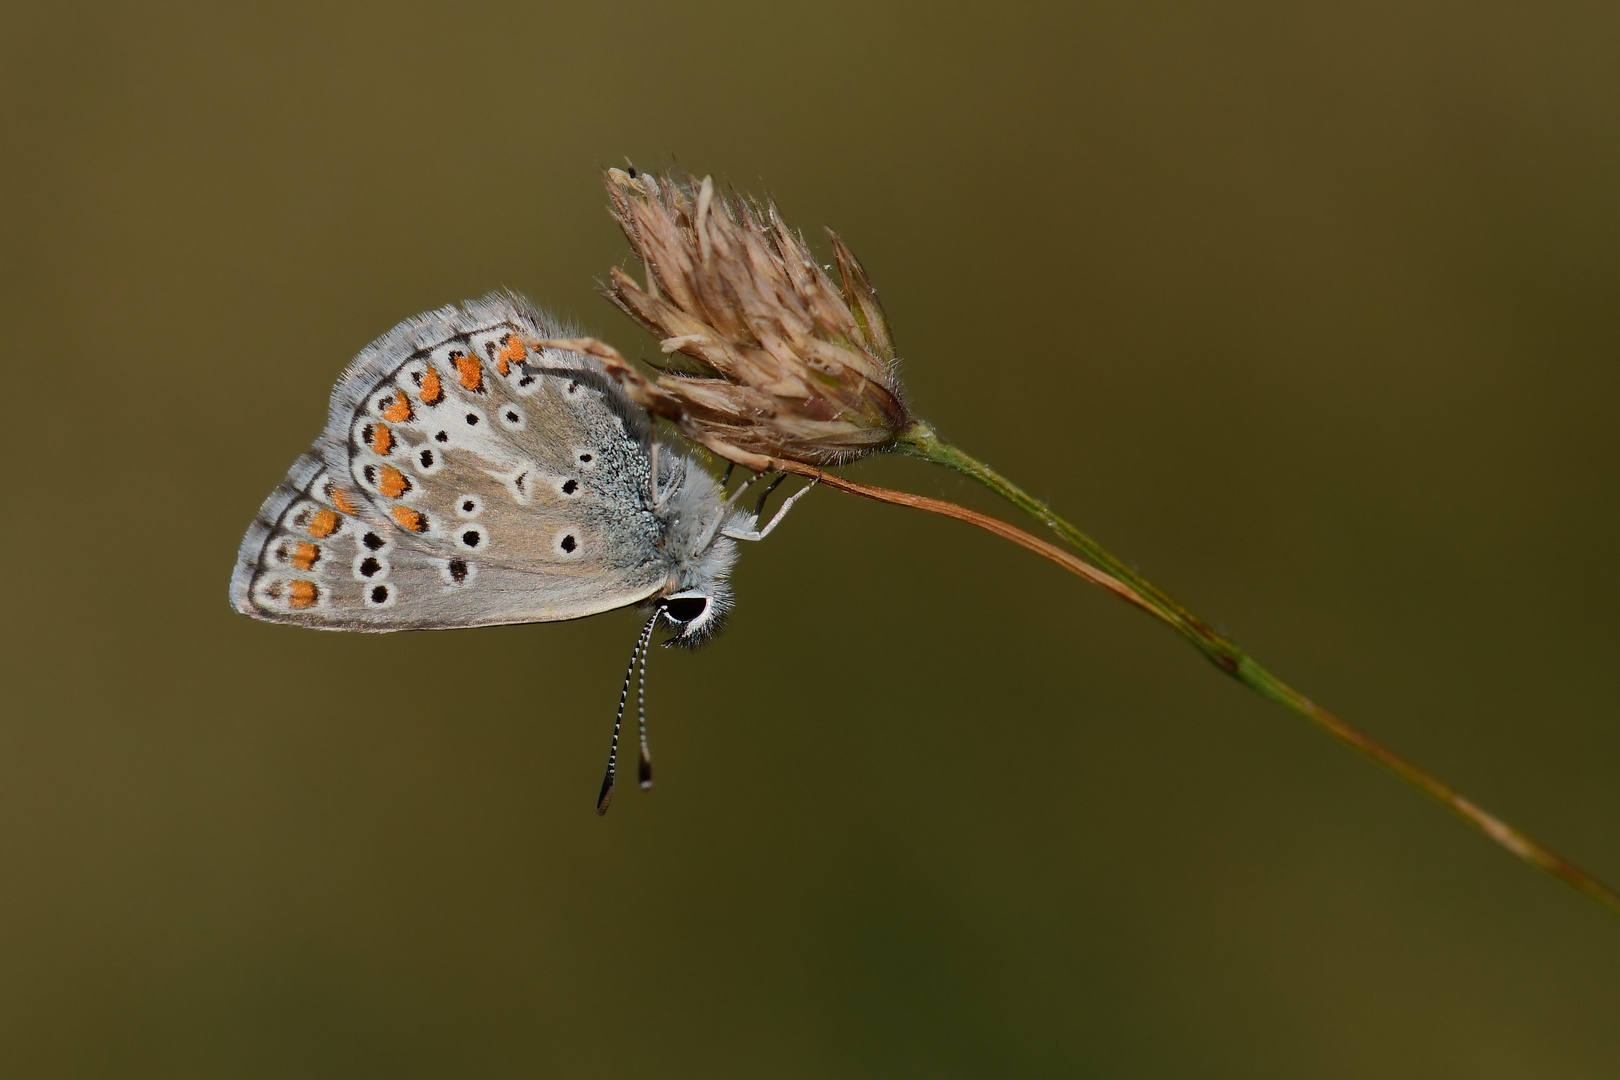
(1310, 310)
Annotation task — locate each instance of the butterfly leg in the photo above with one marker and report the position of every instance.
(652, 472)
(759, 507)
(731, 499)
(760, 534)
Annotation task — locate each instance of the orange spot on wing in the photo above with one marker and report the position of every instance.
(469, 372)
(340, 499)
(392, 483)
(414, 520)
(432, 389)
(304, 556)
(303, 594)
(382, 440)
(512, 353)
(398, 409)
(324, 524)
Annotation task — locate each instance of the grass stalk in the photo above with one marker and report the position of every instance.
(1108, 572)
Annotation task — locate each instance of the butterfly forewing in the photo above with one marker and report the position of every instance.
(464, 479)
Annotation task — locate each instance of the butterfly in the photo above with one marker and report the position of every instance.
(470, 475)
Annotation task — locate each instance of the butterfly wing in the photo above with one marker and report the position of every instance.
(464, 479)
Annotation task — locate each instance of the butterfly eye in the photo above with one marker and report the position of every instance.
(684, 609)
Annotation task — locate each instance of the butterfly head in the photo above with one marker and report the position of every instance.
(693, 510)
(699, 597)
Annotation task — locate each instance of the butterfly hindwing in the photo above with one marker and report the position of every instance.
(464, 479)
(298, 555)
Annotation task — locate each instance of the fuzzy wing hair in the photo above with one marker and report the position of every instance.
(464, 479)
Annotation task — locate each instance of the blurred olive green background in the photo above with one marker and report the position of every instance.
(1309, 310)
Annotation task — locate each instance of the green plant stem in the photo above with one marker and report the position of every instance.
(919, 440)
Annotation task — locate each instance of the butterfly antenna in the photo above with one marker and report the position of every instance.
(605, 798)
(645, 769)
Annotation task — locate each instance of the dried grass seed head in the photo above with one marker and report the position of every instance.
(765, 356)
